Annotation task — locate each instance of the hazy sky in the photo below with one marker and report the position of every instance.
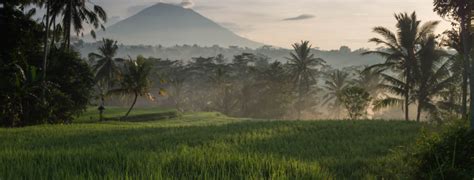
(328, 24)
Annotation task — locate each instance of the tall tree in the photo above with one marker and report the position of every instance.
(105, 63)
(335, 83)
(302, 66)
(460, 11)
(454, 41)
(75, 14)
(399, 49)
(136, 80)
(433, 75)
(105, 66)
(369, 79)
(45, 48)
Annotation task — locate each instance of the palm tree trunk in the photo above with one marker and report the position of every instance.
(418, 112)
(300, 101)
(407, 94)
(464, 89)
(465, 37)
(67, 25)
(133, 104)
(101, 107)
(53, 23)
(45, 49)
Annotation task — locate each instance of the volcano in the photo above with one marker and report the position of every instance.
(169, 25)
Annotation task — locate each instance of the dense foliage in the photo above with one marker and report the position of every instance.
(448, 154)
(26, 97)
(249, 85)
(445, 152)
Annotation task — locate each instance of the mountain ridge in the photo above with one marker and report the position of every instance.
(169, 25)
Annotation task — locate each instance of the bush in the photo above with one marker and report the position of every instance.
(74, 79)
(356, 101)
(447, 153)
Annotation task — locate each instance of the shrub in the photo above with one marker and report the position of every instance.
(356, 101)
(447, 153)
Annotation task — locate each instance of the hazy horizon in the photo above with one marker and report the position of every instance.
(281, 23)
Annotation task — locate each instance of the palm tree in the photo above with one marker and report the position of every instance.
(454, 41)
(395, 86)
(105, 67)
(302, 64)
(74, 14)
(399, 50)
(461, 11)
(336, 82)
(135, 80)
(433, 76)
(45, 48)
(369, 79)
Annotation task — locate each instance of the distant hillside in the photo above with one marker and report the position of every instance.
(169, 25)
(336, 58)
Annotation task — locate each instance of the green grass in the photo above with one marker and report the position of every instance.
(115, 113)
(200, 146)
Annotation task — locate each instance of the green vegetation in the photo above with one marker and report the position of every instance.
(200, 145)
(356, 101)
(158, 143)
(135, 80)
(445, 153)
(116, 114)
(400, 49)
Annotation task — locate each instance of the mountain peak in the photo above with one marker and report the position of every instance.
(160, 7)
(169, 25)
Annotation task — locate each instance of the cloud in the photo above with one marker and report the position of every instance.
(300, 17)
(187, 3)
(207, 7)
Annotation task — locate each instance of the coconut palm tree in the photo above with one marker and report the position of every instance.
(336, 82)
(461, 11)
(432, 77)
(75, 14)
(105, 64)
(135, 80)
(370, 79)
(454, 41)
(106, 68)
(302, 67)
(399, 50)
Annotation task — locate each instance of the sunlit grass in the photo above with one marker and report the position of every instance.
(200, 146)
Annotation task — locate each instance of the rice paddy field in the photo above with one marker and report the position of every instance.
(200, 146)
